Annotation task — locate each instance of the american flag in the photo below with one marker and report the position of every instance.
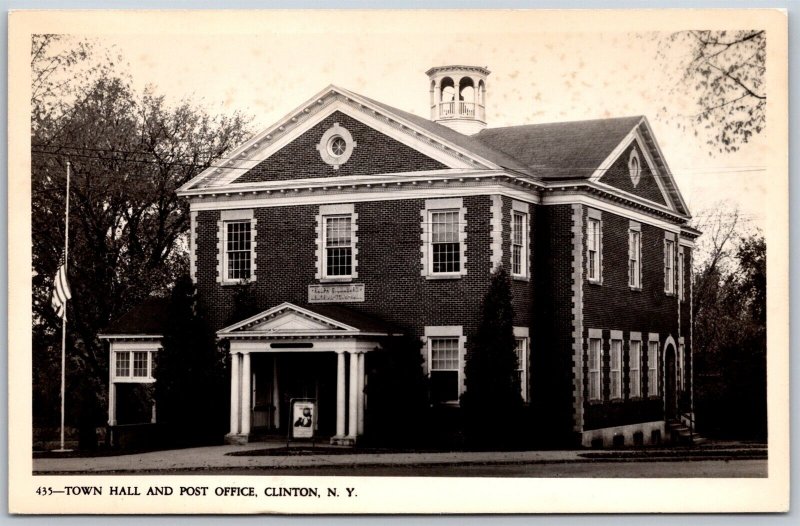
(61, 292)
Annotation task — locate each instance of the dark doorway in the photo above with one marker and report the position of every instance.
(670, 384)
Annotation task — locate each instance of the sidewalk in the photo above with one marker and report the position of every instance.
(215, 457)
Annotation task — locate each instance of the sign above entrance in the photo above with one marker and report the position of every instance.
(338, 293)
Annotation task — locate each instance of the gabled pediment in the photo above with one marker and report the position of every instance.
(286, 319)
(249, 163)
(653, 180)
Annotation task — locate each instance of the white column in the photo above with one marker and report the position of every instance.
(340, 394)
(361, 358)
(276, 395)
(235, 394)
(247, 401)
(112, 403)
(352, 420)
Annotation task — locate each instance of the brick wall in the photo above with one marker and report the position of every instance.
(388, 264)
(551, 318)
(375, 153)
(614, 306)
(619, 176)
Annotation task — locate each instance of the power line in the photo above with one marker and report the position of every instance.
(225, 160)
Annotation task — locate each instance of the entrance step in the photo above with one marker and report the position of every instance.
(680, 434)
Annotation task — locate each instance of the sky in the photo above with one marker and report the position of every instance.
(538, 74)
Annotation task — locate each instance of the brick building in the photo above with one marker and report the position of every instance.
(355, 221)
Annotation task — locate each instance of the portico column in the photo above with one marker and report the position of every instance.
(340, 394)
(361, 358)
(247, 404)
(234, 393)
(276, 395)
(352, 420)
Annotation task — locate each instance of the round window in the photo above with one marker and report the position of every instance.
(337, 146)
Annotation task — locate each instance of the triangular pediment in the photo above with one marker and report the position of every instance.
(286, 319)
(652, 181)
(384, 142)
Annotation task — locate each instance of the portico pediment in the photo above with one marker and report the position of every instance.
(287, 320)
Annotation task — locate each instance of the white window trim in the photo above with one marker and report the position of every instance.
(635, 337)
(435, 205)
(519, 207)
(446, 331)
(230, 216)
(320, 253)
(615, 336)
(595, 334)
(633, 226)
(637, 175)
(118, 348)
(595, 215)
(651, 339)
(524, 334)
(669, 281)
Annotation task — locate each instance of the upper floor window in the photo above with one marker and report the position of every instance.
(238, 262)
(445, 249)
(444, 238)
(519, 239)
(336, 243)
(593, 235)
(635, 257)
(669, 266)
(236, 255)
(595, 363)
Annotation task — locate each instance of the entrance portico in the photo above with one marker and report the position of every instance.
(289, 345)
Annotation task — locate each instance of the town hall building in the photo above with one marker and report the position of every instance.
(355, 222)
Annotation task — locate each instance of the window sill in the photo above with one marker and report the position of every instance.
(617, 400)
(595, 402)
(520, 278)
(635, 289)
(443, 276)
(133, 380)
(343, 279)
(596, 282)
(234, 282)
(452, 403)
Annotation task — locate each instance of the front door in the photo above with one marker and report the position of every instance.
(670, 387)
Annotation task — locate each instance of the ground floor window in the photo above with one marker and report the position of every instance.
(595, 359)
(616, 369)
(521, 350)
(652, 369)
(634, 368)
(444, 360)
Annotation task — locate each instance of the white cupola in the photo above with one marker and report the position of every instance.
(458, 97)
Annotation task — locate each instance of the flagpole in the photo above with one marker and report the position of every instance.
(64, 318)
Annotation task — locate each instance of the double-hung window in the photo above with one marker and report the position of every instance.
(123, 365)
(634, 257)
(519, 244)
(445, 246)
(238, 251)
(669, 266)
(444, 369)
(595, 365)
(593, 247)
(653, 389)
(521, 342)
(133, 365)
(337, 239)
(236, 238)
(635, 368)
(444, 238)
(616, 369)
(338, 243)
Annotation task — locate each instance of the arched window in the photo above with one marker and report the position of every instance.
(447, 89)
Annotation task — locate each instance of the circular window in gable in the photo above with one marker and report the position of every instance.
(336, 146)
